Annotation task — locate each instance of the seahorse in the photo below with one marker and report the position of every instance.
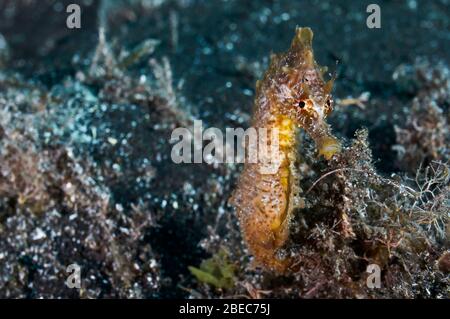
(292, 95)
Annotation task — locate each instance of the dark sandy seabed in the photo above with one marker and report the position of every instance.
(85, 169)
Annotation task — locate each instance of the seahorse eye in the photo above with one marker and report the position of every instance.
(328, 103)
(301, 104)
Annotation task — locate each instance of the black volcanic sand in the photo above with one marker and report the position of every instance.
(221, 49)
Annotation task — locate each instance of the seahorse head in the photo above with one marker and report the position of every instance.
(297, 89)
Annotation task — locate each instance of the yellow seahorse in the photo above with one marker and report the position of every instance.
(291, 95)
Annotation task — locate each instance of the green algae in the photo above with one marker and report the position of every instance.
(216, 271)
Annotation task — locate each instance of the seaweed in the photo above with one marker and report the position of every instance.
(216, 271)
